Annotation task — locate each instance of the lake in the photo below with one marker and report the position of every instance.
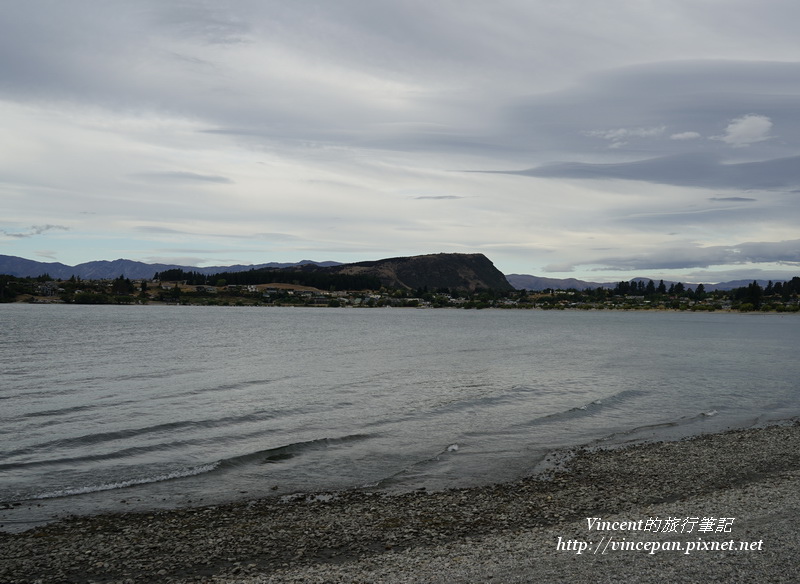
(116, 408)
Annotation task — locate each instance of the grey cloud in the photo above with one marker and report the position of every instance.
(176, 58)
(445, 65)
(684, 215)
(183, 177)
(695, 256)
(696, 217)
(748, 273)
(68, 50)
(619, 137)
(270, 236)
(734, 100)
(34, 230)
(277, 236)
(732, 199)
(210, 23)
(47, 253)
(158, 230)
(685, 136)
(174, 260)
(438, 197)
(691, 170)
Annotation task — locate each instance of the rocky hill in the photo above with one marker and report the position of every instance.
(443, 270)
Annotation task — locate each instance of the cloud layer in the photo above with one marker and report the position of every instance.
(691, 170)
(610, 139)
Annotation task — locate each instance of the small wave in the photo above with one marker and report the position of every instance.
(415, 469)
(588, 409)
(125, 453)
(225, 388)
(269, 456)
(663, 430)
(178, 474)
(168, 428)
(288, 451)
(59, 412)
(80, 442)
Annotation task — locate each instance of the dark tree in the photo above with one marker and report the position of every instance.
(754, 294)
(122, 286)
(700, 292)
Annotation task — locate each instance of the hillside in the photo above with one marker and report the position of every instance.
(443, 270)
(455, 271)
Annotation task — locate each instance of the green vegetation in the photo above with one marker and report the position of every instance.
(299, 288)
(11, 287)
(314, 279)
(74, 290)
(778, 297)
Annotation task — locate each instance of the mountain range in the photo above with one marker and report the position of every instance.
(526, 282)
(462, 271)
(104, 270)
(466, 271)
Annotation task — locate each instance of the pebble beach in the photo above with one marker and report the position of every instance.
(518, 531)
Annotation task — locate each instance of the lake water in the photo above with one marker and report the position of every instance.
(114, 408)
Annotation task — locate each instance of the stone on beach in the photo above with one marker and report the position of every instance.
(505, 532)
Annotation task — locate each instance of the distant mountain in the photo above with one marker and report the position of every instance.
(457, 271)
(526, 282)
(463, 271)
(534, 283)
(442, 270)
(103, 270)
(20, 267)
(735, 284)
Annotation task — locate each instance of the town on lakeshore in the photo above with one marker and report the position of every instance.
(441, 280)
(634, 295)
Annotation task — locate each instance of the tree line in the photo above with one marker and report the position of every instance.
(314, 279)
(779, 296)
(638, 287)
(677, 295)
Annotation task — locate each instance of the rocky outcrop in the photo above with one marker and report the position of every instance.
(456, 271)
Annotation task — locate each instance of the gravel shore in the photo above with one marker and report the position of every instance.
(508, 532)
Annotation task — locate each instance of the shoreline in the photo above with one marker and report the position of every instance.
(358, 535)
(43, 301)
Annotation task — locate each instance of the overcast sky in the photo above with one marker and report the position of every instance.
(570, 138)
